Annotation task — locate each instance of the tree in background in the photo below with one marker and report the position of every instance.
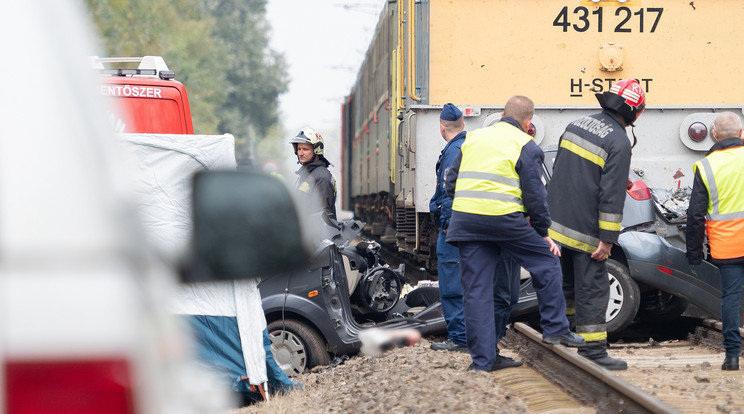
(256, 75)
(219, 49)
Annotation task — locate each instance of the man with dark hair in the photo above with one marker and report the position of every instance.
(314, 180)
(495, 180)
(717, 208)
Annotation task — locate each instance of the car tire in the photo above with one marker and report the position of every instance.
(625, 297)
(296, 346)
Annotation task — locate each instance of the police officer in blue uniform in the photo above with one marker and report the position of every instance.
(495, 182)
(452, 129)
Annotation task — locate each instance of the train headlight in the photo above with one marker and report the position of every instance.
(694, 130)
(697, 131)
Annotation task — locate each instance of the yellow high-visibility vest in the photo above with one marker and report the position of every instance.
(487, 182)
(723, 175)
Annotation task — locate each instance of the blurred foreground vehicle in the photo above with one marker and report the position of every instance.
(83, 328)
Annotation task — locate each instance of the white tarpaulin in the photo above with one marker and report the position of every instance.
(166, 164)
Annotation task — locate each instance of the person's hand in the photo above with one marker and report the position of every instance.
(553, 247)
(602, 252)
(697, 268)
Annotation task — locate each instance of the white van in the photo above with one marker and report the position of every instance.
(83, 328)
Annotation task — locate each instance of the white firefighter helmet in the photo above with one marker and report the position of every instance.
(310, 136)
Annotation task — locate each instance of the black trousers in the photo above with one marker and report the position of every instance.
(587, 290)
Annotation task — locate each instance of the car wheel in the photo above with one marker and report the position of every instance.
(624, 297)
(296, 346)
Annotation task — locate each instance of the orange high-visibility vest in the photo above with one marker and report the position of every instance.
(723, 175)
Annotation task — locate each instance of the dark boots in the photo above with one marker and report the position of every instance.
(448, 345)
(500, 363)
(596, 351)
(567, 339)
(611, 363)
(730, 364)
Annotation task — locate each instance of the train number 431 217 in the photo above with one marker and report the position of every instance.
(625, 20)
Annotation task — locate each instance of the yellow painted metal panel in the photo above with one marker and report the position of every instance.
(683, 53)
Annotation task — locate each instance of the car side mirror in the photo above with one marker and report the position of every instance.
(245, 226)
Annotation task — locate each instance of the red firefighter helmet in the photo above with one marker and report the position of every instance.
(626, 97)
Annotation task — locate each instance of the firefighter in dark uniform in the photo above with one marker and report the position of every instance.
(495, 180)
(717, 208)
(314, 182)
(586, 196)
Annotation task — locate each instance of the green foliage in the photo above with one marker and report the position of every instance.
(274, 147)
(219, 50)
(255, 74)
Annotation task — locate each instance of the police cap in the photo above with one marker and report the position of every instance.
(450, 113)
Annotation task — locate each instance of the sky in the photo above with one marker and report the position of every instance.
(324, 43)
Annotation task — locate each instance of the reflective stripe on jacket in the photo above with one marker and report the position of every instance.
(487, 182)
(586, 194)
(722, 172)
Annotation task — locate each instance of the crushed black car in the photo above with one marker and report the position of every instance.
(317, 313)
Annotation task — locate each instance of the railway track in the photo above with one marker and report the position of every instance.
(676, 376)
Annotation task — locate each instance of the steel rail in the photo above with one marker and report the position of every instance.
(587, 382)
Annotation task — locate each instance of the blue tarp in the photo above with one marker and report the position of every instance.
(219, 345)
